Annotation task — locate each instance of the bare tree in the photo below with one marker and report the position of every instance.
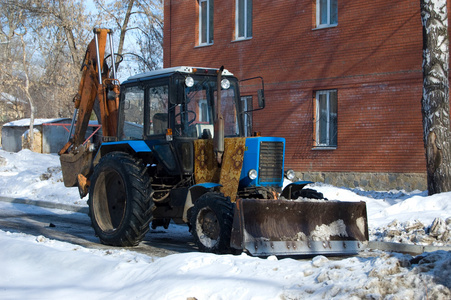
(435, 100)
(49, 17)
(142, 22)
(26, 87)
(150, 37)
(59, 32)
(12, 58)
(16, 75)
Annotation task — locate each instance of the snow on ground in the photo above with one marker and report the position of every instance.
(34, 267)
(35, 176)
(38, 268)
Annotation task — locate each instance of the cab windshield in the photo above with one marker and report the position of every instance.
(195, 116)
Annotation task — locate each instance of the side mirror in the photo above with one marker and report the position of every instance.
(261, 98)
(260, 93)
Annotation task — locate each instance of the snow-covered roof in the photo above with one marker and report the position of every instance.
(26, 122)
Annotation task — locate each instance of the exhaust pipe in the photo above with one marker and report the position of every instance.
(218, 142)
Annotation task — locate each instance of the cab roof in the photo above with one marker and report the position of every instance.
(181, 69)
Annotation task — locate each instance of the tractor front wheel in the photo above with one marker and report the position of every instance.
(211, 223)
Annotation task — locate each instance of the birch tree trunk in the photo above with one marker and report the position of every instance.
(124, 26)
(435, 100)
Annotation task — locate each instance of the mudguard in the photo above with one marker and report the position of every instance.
(194, 193)
(125, 146)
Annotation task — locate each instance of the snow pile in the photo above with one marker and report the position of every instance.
(324, 232)
(48, 269)
(399, 216)
(437, 234)
(419, 220)
(35, 176)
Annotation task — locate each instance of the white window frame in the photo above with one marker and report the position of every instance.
(318, 14)
(328, 144)
(247, 15)
(208, 18)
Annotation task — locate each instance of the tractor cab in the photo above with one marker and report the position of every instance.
(169, 109)
(178, 102)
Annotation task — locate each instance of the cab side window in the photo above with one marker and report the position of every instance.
(158, 109)
(133, 113)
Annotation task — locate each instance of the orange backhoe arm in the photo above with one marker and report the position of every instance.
(93, 84)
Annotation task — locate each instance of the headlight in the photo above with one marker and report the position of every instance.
(189, 81)
(290, 174)
(252, 174)
(225, 84)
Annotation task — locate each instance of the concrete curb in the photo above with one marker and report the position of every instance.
(406, 248)
(46, 204)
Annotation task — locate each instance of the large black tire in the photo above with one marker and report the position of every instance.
(211, 223)
(120, 200)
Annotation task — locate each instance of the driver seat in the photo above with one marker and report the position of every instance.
(160, 123)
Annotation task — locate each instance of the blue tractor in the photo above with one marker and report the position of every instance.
(178, 149)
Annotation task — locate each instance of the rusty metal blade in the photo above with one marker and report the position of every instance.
(284, 227)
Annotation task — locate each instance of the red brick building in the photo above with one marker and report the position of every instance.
(343, 79)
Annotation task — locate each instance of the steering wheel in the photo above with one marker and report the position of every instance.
(188, 111)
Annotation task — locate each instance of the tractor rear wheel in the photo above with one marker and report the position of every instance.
(211, 223)
(120, 200)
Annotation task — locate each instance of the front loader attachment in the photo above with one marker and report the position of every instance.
(308, 227)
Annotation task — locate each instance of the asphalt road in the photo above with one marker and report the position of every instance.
(75, 228)
(71, 226)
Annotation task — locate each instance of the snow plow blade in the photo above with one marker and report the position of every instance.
(310, 227)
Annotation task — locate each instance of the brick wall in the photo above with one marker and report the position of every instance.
(373, 59)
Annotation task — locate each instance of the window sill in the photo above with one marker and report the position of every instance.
(325, 148)
(242, 39)
(325, 26)
(203, 45)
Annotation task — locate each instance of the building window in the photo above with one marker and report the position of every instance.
(326, 13)
(243, 19)
(326, 119)
(205, 22)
